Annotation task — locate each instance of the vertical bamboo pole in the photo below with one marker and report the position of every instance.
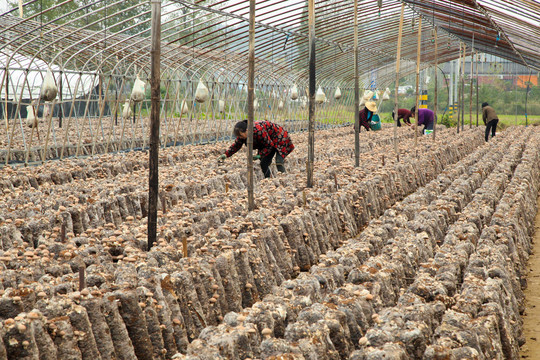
(398, 56)
(251, 114)
(356, 91)
(458, 110)
(526, 98)
(462, 100)
(61, 99)
(436, 97)
(6, 117)
(418, 49)
(476, 60)
(471, 83)
(153, 182)
(311, 128)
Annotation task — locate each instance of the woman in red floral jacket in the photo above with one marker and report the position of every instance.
(269, 138)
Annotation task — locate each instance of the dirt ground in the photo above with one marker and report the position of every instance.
(531, 349)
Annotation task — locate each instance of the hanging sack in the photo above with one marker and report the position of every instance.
(320, 96)
(201, 94)
(255, 104)
(221, 106)
(294, 92)
(280, 105)
(31, 120)
(337, 94)
(137, 94)
(48, 88)
(183, 108)
(126, 111)
(386, 95)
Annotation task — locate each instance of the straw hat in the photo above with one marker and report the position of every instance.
(371, 106)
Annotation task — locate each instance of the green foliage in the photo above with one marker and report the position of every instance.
(447, 120)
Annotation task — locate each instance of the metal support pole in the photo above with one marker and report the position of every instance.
(418, 50)
(435, 98)
(398, 56)
(311, 127)
(153, 183)
(356, 91)
(251, 97)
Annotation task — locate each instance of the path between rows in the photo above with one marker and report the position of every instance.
(531, 319)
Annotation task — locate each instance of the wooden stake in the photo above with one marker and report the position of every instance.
(398, 56)
(311, 123)
(153, 178)
(436, 97)
(418, 50)
(63, 232)
(163, 205)
(459, 94)
(82, 281)
(304, 197)
(462, 100)
(335, 181)
(184, 246)
(356, 91)
(470, 95)
(251, 98)
(476, 89)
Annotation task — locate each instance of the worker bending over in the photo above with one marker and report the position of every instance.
(268, 138)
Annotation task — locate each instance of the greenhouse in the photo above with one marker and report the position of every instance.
(385, 205)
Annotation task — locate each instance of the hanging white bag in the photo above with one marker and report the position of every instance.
(221, 106)
(137, 94)
(294, 92)
(320, 96)
(183, 108)
(48, 88)
(386, 95)
(126, 110)
(280, 105)
(255, 104)
(31, 120)
(337, 94)
(201, 94)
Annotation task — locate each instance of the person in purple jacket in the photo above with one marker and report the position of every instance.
(425, 117)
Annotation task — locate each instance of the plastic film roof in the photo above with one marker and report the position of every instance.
(209, 39)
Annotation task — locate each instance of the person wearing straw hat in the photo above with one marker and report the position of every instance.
(403, 114)
(426, 117)
(268, 138)
(366, 114)
(490, 119)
